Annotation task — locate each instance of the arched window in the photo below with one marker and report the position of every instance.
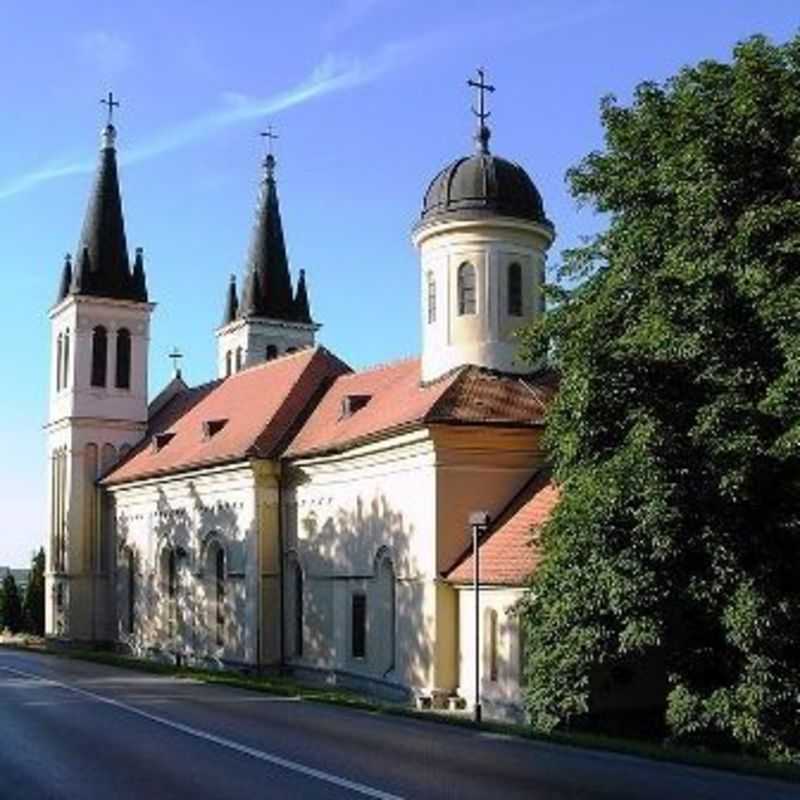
(491, 642)
(131, 590)
(99, 356)
(65, 373)
(59, 360)
(431, 298)
(272, 352)
(123, 359)
(228, 363)
(220, 596)
(170, 566)
(466, 289)
(388, 611)
(515, 290)
(298, 611)
(238, 358)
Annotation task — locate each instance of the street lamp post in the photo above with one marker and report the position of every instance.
(479, 522)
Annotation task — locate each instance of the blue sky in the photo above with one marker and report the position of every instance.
(369, 99)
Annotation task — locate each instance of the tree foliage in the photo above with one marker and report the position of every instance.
(676, 432)
(11, 610)
(34, 595)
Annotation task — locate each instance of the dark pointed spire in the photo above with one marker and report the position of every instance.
(302, 310)
(267, 255)
(103, 247)
(231, 303)
(139, 279)
(65, 284)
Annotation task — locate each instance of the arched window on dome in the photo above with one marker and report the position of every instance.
(123, 377)
(272, 352)
(466, 289)
(99, 355)
(431, 298)
(228, 363)
(514, 290)
(238, 358)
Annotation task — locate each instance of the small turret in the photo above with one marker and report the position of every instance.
(302, 311)
(66, 279)
(231, 303)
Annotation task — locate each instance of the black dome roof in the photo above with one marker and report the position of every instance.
(486, 184)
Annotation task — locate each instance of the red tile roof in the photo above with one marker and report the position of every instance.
(261, 407)
(507, 557)
(396, 400)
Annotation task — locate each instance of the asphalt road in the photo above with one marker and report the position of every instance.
(70, 729)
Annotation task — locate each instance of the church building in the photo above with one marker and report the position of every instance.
(292, 512)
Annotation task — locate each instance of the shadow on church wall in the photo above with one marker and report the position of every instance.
(369, 550)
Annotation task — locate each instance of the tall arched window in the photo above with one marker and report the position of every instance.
(388, 611)
(220, 596)
(466, 289)
(514, 290)
(123, 359)
(431, 298)
(238, 358)
(131, 590)
(65, 373)
(491, 642)
(171, 581)
(228, 363)
(298, 611)
(59, 360)
(99, 356)
(272, 352)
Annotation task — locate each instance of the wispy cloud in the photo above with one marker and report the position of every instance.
(107, 52)
(333, 74)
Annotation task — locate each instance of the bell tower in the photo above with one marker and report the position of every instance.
(271, 318)
(100, 328)
(483, 238)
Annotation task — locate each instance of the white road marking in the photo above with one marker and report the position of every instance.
(259, 755)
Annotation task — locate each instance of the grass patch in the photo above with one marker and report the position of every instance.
(286, 687)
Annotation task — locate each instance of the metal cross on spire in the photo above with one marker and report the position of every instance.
(269, 161)
(269, 135)
(112, 104)
(481, 113)
(175, 356)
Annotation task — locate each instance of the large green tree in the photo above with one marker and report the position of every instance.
(34, 595)
(11, 611)
(675, 435)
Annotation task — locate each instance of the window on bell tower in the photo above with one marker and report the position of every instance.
(466, 289)
(238, 358)
(99, 356)
(123, 376)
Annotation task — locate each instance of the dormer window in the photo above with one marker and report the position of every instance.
(352, 403)
(211, 427)
(161, 440)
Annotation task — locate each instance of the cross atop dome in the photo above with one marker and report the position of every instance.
(483, 134)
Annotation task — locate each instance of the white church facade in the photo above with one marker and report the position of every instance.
(294, 513)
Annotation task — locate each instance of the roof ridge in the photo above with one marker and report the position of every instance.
(383, 365)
